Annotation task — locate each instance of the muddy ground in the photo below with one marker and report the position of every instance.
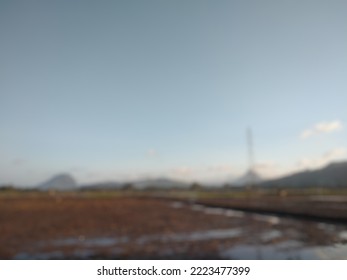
(315, 207)
(77, 227)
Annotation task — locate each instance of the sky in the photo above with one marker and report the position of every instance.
(128, 89)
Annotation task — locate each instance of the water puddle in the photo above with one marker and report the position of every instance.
(234, 213)
(88, 246)
(267, 218)
(218, 211)
(39, 256)
(281, 251)
(337, 252)
(327, 227)
(194, 236)
(214, 211)
(270, 235)
(90, 242)
(259, 236)
(285, 251)
(206, 235)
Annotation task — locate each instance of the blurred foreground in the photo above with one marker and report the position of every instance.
(172, 225)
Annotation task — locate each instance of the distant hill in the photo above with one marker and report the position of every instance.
(159, 182)
(250, 177)
(103, 186)
(140, 184)
(59, 182)
(333, 175)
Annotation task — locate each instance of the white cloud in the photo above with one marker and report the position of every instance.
(324, 159)
(322, 127)
(335, 153)
(328, 127)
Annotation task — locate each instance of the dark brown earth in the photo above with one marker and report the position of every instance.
(27, 221)
(75, 226)
(333, 208)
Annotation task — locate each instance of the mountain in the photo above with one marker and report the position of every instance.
(332, 175)
(59, 182)
(103, 186)
(251, 177)
(159, 182)
(140, 184)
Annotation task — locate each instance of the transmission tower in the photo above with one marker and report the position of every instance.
(250, 149)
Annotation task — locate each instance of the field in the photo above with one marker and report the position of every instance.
(121, 225)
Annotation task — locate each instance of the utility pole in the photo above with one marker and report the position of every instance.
(250, 149)
(251, 175)
(252, 188)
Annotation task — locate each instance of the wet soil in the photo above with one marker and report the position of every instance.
(78, 227)
(319, 208)
(32, 224)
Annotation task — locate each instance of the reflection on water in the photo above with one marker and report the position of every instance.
(250, 236)
(218, 211)
(80, 253)
(285, 251)
(193, 236)
(267, 218)
(290, 235)
(113, 241)
(270, 235)
(39, 256)
(343, 235)
(92, 242)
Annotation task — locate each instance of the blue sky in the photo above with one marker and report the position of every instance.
(119, 90)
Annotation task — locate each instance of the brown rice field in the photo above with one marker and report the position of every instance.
(80, 226)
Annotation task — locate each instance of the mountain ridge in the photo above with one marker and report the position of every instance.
(61, 181)
(332, 175)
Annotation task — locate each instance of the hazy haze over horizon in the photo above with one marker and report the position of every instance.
(119, 90)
